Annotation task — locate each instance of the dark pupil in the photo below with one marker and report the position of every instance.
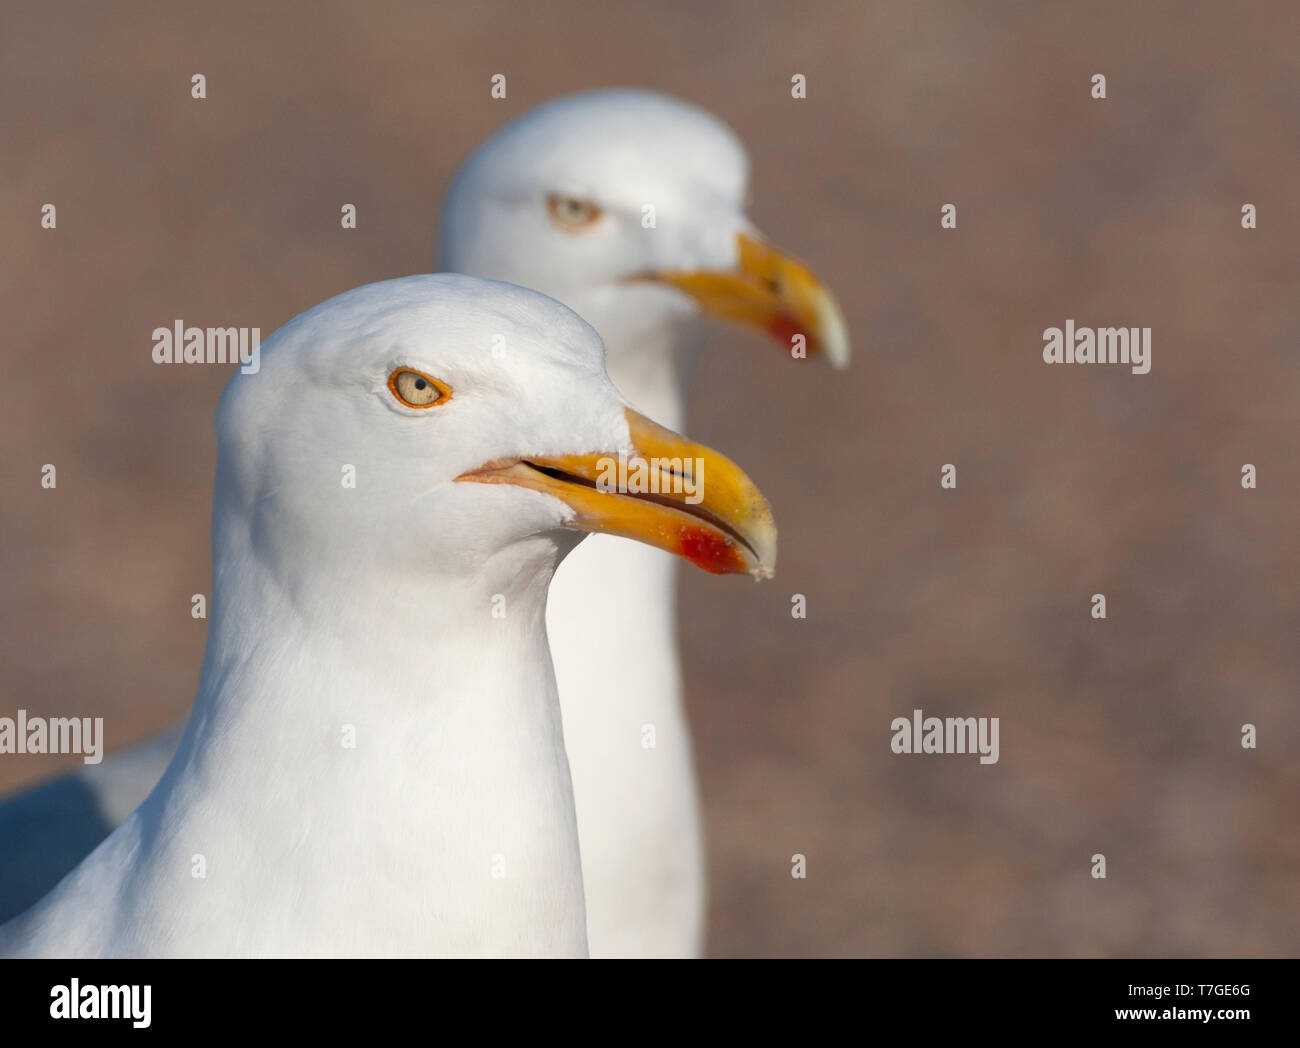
(420, 383)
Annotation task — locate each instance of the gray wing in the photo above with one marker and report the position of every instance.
(47, 829)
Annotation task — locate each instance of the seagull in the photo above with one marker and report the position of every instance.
(374, 764)
(629, 207)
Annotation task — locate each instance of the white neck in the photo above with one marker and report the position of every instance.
(613, 628)
(648, 346)
(352, 788)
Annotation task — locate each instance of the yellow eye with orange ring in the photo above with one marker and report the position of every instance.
(572, 213)
(415, 389)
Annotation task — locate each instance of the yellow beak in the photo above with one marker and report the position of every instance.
(772, 292)
(669, 493)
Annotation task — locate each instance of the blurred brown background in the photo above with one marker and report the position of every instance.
(1119, 737)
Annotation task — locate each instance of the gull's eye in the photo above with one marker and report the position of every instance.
(571, 213)
(415, 389)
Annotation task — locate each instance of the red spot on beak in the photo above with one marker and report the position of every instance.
(710, 550)
(784, 328)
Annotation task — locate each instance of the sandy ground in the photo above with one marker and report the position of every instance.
(1118, 736)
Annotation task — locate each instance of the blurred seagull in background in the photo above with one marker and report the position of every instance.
(374, 764)
(629, 207)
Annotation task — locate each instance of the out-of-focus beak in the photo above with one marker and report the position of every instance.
(772, 292)
(679, 496)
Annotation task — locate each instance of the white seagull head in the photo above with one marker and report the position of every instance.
(630, 207)
(415, 429)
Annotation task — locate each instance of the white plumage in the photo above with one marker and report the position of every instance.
(612, 614)
(663, 185)
(374, 764)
